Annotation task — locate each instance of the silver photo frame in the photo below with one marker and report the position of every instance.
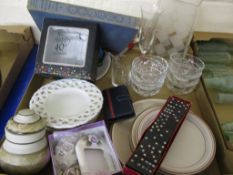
(66, 46)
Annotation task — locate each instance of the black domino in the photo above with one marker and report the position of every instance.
(158, 137)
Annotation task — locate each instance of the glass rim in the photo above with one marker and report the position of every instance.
(198, 61)
(154, 57)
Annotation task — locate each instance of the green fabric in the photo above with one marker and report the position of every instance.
(214, 45)
(227, 129)
(212, 70)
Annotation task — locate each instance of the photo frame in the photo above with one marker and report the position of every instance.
(68, 49)
(73, 151)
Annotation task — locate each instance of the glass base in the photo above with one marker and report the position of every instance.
(179, 90)
(119, 71)
(143, 92)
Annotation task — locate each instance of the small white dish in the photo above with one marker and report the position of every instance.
(24, 138)
(22, 149)
(67, 103)
(103, 69)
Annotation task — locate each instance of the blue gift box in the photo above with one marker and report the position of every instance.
(116, 30)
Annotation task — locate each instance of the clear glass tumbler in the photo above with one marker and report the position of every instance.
(120, 71)
(184, 72)
(147, 78)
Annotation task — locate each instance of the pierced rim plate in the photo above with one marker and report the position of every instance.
(67, 103)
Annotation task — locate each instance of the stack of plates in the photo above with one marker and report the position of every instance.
(192, 151)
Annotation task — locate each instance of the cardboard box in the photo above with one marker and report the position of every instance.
(16, 43)
(38, 81)
(216, 114)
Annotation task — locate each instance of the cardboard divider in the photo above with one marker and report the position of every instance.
(216, 114)
(224, 156)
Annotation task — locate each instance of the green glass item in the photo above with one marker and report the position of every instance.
(216, 57)
(214, 45)
(227, 129)
(222, 84)
(217, 70)
(217, 67)
(224, 98)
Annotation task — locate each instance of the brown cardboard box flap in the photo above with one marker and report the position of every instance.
(210, 35)
(16, 43)
(16, 31)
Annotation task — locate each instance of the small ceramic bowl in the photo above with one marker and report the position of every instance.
(24, 138)
(22, 149)
(24, 164)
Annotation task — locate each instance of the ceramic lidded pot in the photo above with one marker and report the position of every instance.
(25, 149)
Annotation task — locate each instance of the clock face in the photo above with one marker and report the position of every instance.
(66, 46)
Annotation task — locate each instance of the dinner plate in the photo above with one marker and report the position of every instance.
(103, 69)
(121, 130)
(67, 103)
(193, 139)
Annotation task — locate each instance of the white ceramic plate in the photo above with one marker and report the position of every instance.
(194, 139)
(67, 103)
(121, 130)
(103, 69)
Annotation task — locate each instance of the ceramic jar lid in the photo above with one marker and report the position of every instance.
(25, 122)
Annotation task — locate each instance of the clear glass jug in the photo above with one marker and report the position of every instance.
(175, 26)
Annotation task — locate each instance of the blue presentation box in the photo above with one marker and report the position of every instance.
(116, 30)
